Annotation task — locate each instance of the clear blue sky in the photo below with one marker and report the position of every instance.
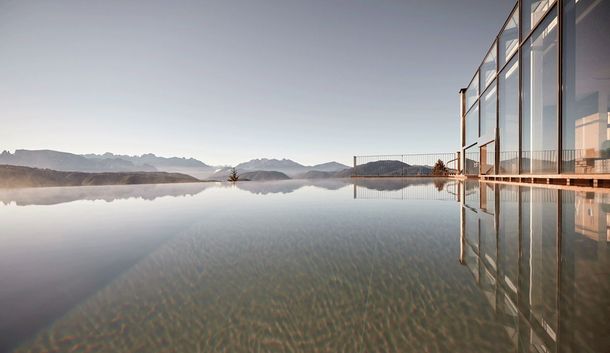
(229, 80)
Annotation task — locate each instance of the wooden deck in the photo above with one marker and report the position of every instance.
(583, 180)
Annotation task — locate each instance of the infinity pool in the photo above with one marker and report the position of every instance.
(371, 265)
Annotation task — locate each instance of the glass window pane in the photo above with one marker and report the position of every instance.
(472, 92)
(488, 69)
(540, 88)
(471, 161)
(472, 126)
(508, 118)
(533, 12)
(488, 113)
(586, 95)
(509, 39)
(488, 158)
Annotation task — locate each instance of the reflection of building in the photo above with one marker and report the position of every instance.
(540, 101)
(592, 216)
(540, 258)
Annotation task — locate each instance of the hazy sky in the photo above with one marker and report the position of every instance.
(229, 80)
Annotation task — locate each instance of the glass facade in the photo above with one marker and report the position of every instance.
(586, 82)
(471, 161)
(488, 69)
(533, 12)
(509, 39)
(472, 92)
(539, 106)
(508, 118)
(488, 156)
(472, 126)
(543, 97)
(488, 112)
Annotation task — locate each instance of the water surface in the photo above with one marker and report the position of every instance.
(374, 265)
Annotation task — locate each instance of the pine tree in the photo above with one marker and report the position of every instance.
(233, 177)
(440, 168)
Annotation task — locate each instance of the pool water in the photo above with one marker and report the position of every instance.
(363, 265)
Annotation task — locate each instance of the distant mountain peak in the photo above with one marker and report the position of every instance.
(64, 161)
(265, 163)
(161, 163)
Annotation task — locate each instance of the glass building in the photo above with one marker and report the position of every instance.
(539, 103)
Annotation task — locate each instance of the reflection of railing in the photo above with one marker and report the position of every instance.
(402, 165)
(432, 189)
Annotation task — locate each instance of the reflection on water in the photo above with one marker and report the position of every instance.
(305, 266)
(542, 259)
(56, 195)
(407, 188)
(288, 186)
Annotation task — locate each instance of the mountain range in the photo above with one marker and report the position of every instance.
(287, 166)
(155, 161)
(386, 168)
(255, 169)
(63, 161)
(109, 162)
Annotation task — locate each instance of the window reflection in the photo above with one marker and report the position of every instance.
(540, 86)
(488, 69)
(586, 95)
(585, 244)
(488, 156)
(471, 161)
(508, 239)
(508, 118)
(488, 112)
(472, 92)
(533, 12)
(472, 126)
(540, 259)
(539, 255)
(509, 39)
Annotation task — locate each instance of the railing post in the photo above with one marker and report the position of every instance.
(355, 173)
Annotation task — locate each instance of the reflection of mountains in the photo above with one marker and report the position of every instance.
(288, 186)
(379, 184)
(392, 184)
(57, 195)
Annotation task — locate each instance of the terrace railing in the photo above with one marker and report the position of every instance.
(405, 165)
(577, 161)
(480, 161)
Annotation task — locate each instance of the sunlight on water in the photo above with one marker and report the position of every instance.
(371, 265)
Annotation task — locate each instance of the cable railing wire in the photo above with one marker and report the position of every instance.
(480, 161)
(406, 165)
